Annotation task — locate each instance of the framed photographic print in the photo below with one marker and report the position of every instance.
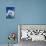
(10, 12)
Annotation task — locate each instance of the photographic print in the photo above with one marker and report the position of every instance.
(10, 12)
(31, 33)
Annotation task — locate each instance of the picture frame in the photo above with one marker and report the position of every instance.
(10, 12)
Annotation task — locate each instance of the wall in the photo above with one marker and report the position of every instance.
(27, 12)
